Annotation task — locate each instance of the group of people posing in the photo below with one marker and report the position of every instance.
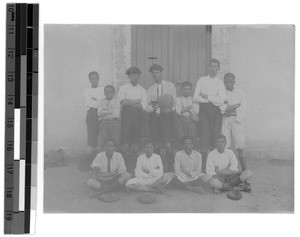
(216, 110)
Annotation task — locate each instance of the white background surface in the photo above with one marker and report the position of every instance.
(159, 12)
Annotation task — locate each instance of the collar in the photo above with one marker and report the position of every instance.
(189, 154)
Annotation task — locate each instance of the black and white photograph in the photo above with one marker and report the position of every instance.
(169, 118)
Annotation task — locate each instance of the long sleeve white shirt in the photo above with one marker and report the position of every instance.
(191, 163)
(156, 90)
(110, 106)
(90, 93)
(153, 164)
(227, 159)
(186, 101)
(213, 87)
(235, 97)
(116, 163)
(131, 92)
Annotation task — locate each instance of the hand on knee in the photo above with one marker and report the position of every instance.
(215, 183)
(93, 184)
(124, 178)
(246, 175)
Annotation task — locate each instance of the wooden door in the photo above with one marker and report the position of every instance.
(182, 50)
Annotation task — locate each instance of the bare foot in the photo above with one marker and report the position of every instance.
(196, 189)
(94, 194)
(217, 191)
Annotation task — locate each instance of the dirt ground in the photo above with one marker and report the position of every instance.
(65, 191)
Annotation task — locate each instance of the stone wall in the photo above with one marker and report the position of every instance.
(121, 50)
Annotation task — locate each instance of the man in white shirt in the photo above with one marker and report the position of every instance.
(92, 95)
(109, 116)
(233, 111)
(149, 172)
(109, 171)
(160, 122)
(133, 99)
(188, 167)
(210, 94)
(222, 168)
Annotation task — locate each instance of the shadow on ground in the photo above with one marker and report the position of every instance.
(65, 191)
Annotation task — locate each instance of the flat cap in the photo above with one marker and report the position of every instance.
(156, 67)
(133, 70)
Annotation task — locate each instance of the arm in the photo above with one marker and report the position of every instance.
(139, 171)
(195, 109)
(116, 110)
(158, 169)
(174, 94)
(150, 106)
(178, 106)
(177, 166)
(242, 109)
(232, 108)
(107, 175)
(220, 97)
(130, 102)
(121, 166)
(123, 98)
(144, 99)
(89, 102)
(210, 166)
(198, 171)
(197, 97)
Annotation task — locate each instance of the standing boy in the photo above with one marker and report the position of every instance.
(222, 168)
(109, 171)
(187, 111)
(109, 116)
(92, 95)
(210, 94)
(160, 122)
(233, 111)
(133, 99)
(188, 167)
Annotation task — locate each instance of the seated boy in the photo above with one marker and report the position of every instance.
(187, 111)
(188, 167)
(109, 116)
(149, 174)
(109, 171)
(222, 168)
(233, 111)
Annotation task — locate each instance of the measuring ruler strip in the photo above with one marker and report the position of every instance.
(21, 118)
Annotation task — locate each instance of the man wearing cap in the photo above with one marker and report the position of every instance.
(133, 99)
(210, 93)
(160, 121)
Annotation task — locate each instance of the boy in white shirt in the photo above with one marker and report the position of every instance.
(210, 94)
(160, 122)
(92, 95)
(149, 175)
(109, 116)
(133, 99)
(187, 112)
(109, 171)
(188, 167)
(233, 111)
(222, 168)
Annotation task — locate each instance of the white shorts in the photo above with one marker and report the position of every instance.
(235, 130)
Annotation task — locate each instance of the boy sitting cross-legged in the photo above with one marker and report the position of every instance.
(109, 171)
(149, 175)
(188, 168)
(222, 168)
